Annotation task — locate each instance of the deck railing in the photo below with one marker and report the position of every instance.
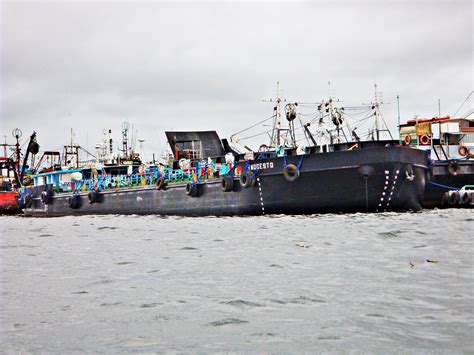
(104, 182)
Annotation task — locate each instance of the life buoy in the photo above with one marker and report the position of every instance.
(453, 168)
(247, 179)
(191, 189)
(46, 196)
(93, 196)
(74, 201)
(227, 183)
(463, 150)
(425, 139)
(407, 139)
(291, 173)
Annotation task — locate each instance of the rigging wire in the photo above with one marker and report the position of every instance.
(467, 98)
(256, 124)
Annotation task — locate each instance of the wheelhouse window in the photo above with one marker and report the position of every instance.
(188, 150)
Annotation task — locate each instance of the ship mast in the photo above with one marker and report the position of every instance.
(376, 104)
(125, 127)
(71, 152)
(278, 114)
(378, 115)
(17, 135)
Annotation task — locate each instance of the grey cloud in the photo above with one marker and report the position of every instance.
(208, 65)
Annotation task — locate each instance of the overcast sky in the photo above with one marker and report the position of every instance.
(164, 65)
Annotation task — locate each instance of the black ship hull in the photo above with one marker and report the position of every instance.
(371, 179)
(447, 176)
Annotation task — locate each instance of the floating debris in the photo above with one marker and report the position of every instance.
(303, 244)
(227, 321)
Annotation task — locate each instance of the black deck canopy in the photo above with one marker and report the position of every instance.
(195, 144)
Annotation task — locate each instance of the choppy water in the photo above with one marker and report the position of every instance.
(255, 284)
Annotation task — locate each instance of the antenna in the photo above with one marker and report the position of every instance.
(17, 135)
(278, 113)
(125, 127)
(378, 115)
(277, 118)
(73, 150)
(398, 106)
(142, 150)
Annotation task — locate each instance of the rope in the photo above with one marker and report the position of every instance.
(301, 162)
(444, 186)
(298, 166)
(247, 165)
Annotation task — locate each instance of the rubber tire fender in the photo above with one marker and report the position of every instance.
(291, 173)
(160, 183)
(466, 198)
(453, 168)
(93, 196)
(227, 183)
(74, 201)
(247, 179)
(453, 198)
(28, 201)
(191, 189)
(46, 196)
(409, 173)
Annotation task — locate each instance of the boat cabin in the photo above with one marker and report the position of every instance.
(60, 179)
(195, 145)
(446, 137)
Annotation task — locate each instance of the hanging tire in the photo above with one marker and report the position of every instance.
(453, 168)
(93, 196)
(247, 179)
(46, 196)
(74, 201)
(291, 173)
(445, 199)
(28, 201)
(160, 183)
(191, 189)
(20, 202)
(409, 174)
(227, 183)
(454, 198)
(466, 198)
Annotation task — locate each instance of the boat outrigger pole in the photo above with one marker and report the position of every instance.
(33, 148)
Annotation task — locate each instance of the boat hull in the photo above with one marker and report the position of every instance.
(9, 202)
(446, 176)
(375, 179)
